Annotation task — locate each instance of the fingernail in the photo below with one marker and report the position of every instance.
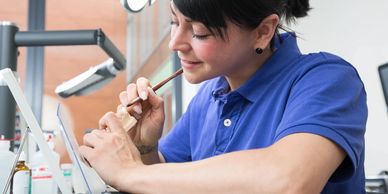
(152, 92)
(143, 95)
(123, 98)
(137, 109)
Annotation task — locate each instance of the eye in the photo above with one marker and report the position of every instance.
(200, 37)
(200, 32)
(172, 22)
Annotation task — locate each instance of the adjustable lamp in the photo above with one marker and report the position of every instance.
(135, 5)
(11, 39)
(88, 81)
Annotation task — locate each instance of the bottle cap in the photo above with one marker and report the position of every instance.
(66, 166)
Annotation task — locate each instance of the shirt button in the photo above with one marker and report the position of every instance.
(227, 122)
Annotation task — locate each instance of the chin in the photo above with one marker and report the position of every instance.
(193, 79)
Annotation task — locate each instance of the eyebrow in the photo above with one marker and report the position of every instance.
(172, 11)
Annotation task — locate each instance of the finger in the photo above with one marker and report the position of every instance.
(87, 153)
(124, 112)
(155, 100)
(91, 139)
(142, 85)
(113, 123)
(131, 95)
(121, 111)
(123, 96)
(102, 122)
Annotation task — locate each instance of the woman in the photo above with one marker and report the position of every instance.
(268, 119)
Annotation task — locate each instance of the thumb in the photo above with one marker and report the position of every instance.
(155, 101)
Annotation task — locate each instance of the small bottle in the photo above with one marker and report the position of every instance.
(21, 178)
(67, 170)
(42, 177)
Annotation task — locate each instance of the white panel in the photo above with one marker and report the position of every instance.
(8, 76)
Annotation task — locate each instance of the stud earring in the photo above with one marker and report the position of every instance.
(259, 51)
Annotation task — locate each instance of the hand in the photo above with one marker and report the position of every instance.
(149, 113)
(110, 152)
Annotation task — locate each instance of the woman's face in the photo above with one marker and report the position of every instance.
(205, 56)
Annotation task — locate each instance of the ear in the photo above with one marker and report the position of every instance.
(266, 30)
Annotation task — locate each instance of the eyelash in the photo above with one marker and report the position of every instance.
(173, 23)
(200, 37)
(196, 36)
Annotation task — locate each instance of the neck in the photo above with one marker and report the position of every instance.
(241, 74)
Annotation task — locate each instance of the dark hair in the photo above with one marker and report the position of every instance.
(244, 13)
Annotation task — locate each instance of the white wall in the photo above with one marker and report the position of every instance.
(188, 91)
(356, 30)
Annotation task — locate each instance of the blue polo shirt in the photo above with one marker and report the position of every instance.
(318, 93)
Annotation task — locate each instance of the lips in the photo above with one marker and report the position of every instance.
(190, 61)
(189, 64)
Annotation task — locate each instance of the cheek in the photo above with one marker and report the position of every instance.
(207, 52)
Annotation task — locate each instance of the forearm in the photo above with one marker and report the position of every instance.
(239, 172)
(290, 166)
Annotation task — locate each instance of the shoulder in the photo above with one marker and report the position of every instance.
(327, 67)
(324, 59)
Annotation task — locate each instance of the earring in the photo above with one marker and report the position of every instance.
(259, 51)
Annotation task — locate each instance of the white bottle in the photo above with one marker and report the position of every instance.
(6, 160)
(67, 170)
(42, 177)
(21, 177)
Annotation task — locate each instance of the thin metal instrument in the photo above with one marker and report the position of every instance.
(157, 86)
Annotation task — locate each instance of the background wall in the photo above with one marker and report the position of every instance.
(63, 63)
(355, 30)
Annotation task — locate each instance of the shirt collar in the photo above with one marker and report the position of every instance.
(221, 88)
(286, 51)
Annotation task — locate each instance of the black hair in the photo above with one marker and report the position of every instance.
(244, 13)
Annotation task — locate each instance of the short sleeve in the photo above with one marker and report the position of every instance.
(329, 100)
(175, 146)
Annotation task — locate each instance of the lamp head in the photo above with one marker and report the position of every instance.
(135, 5)
(88, 81)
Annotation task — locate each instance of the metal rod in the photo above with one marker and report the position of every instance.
(34, 74)
(72, 37)
(178, 99)
(8, 59)
(109, 48)
(56, 38)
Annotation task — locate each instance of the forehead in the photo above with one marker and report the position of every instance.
(224, 31)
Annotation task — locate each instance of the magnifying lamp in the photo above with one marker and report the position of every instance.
(88, 81)
(135, 5)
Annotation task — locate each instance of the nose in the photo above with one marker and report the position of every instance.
(180, 40)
